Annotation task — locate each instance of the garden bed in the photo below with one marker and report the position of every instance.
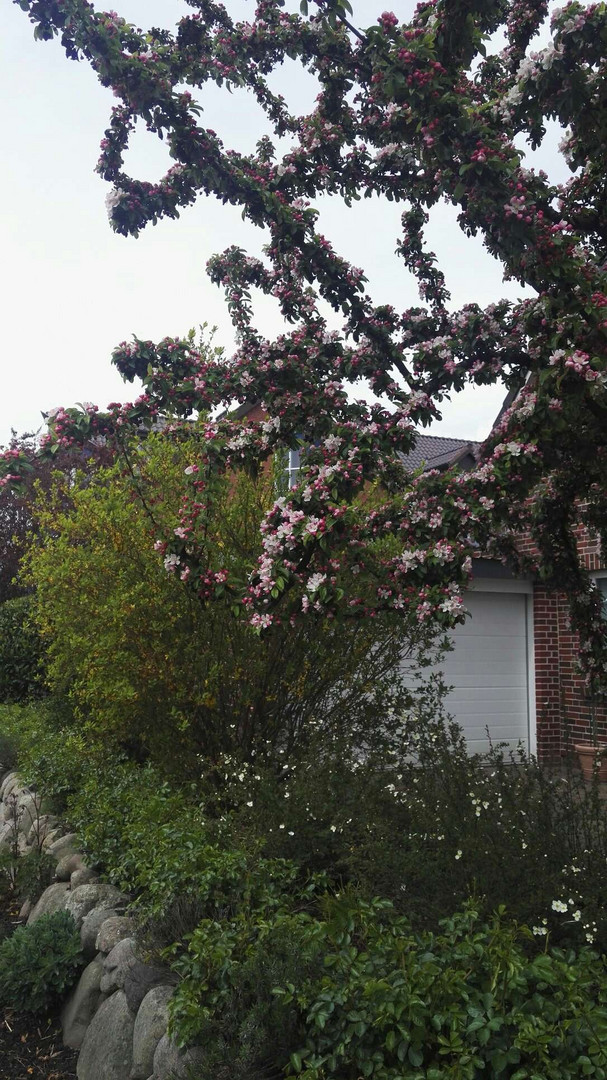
(31, 1049)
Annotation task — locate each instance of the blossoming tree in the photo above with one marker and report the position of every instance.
(414, 113)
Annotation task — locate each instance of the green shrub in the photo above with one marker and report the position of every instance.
(349, 990)
(21, 652)
(428, 827)
(39, 963)
(149, 668)
(464, 1003)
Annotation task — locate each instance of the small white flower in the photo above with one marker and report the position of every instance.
(249, 803)
(315, 581)
(558, 905)
(111, 200)
(333, 828)
(458, 853)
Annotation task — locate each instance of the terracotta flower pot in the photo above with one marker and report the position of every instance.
(587, 753)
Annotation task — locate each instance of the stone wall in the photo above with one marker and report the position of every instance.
(117, 1015)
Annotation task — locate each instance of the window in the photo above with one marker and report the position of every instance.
(292, 468)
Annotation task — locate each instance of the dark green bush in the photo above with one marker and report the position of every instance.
(465, 1003)
(429, 827)
(426, 828)
(21, 653)
(358, 994)
(38, 963)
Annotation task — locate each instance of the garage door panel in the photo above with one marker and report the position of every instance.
(497, 612)
(498, 673)
(494, 697)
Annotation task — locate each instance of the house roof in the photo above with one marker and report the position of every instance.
(438, 452)
(430, 451)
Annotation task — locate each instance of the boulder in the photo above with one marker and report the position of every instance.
(10, 780)
(64, 845)
(140, 978)
(83, 877)
(28, 809)
(170, 1062)
(116, 965)
(150, 1025)
(90, 928)
(112, 930)
(107, 1048)
(82, 1004)
(86, 897)
(51, 836)
(68, 865)
(53, 899)
(40, 829)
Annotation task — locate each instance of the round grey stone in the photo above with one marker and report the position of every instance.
(83, 877)
(64, 845)
(25, 909)
(116, 964)
(53, 899)
(171, 1062)
(68, 865)
(8, 781)
(29, 806)
(112, 930)
(82, 1004)
(86, 897)
(9, 784)
(51, 836)
(41, 828)
(107, 1048)
(90, 928)
(150, 1025)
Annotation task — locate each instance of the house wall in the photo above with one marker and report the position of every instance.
(563, 709)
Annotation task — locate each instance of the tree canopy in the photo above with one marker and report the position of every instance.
(419, 112)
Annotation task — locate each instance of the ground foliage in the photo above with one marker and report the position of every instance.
(416, 113)
(303, 903)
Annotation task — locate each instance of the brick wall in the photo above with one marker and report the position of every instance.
(564, 711)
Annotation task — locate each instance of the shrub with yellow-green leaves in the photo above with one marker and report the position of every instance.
(146, 665)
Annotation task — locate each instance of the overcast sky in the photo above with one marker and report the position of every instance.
(72, 289)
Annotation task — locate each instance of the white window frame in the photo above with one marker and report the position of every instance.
(293, 468)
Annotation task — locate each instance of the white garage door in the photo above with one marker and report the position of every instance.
(491, 669)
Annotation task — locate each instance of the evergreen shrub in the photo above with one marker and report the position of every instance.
(39, 963)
